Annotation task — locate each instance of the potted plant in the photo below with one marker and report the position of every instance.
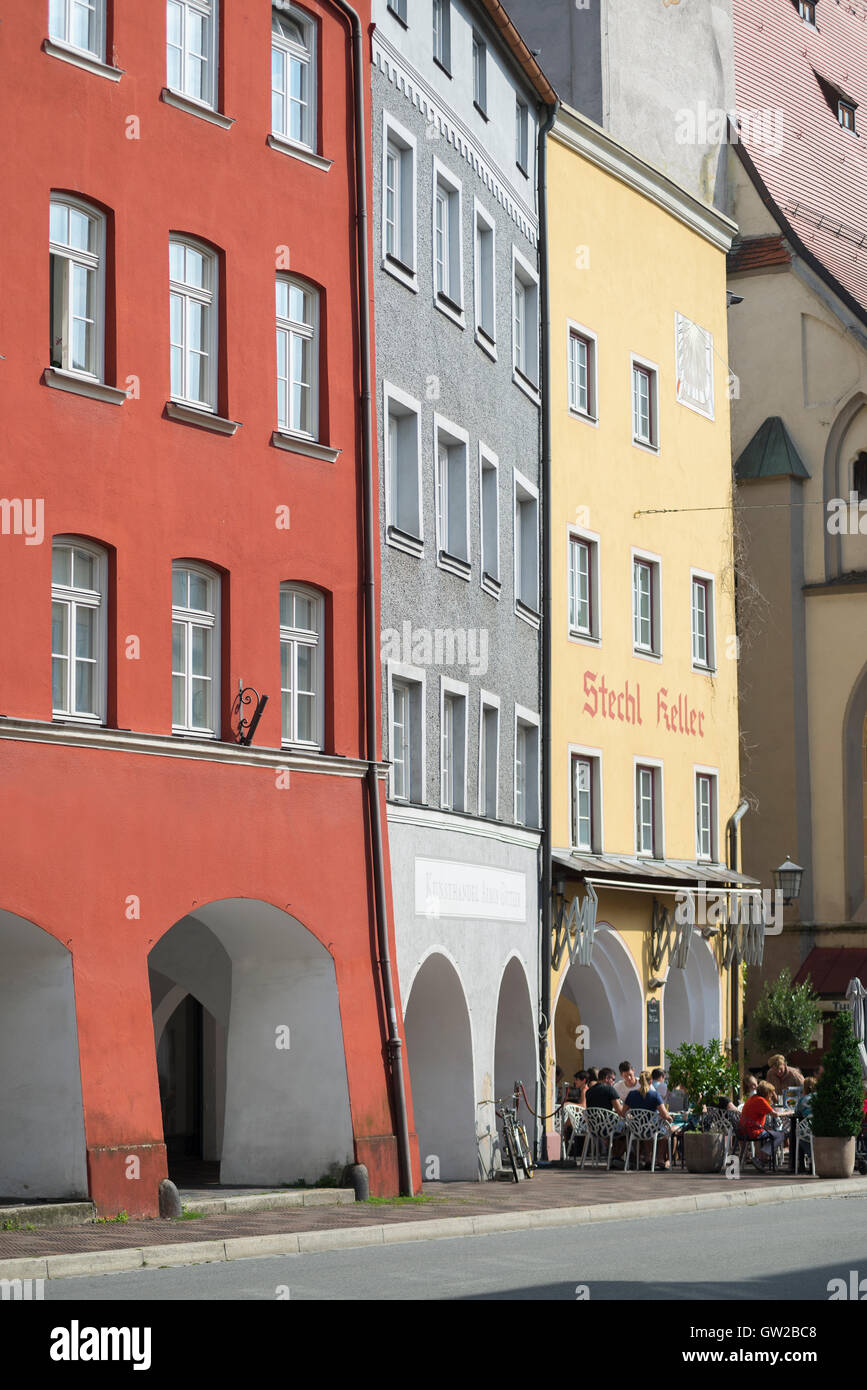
(838, 1104)
(704, 1072)
(786, 1016)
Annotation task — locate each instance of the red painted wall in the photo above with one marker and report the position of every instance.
(81, 829)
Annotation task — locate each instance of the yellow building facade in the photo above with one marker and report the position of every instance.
(644, 717)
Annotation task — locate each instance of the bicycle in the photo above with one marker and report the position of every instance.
(515, 1137)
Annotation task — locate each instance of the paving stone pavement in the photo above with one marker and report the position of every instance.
(549, 1187)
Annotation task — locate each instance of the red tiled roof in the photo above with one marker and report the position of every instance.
(757, 253)
(830, 968)
(817, 172)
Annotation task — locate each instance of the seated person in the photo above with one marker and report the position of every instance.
(660, 1086)
(677, 1100)
(805, 1104)
(754, 1116)
(779, 1075)
(749, 1087)
(628, 1080)
(577, 1090)
(646, 1097)
(603, 1095)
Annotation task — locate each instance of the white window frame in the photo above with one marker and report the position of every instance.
(407, 406)
(525, 275)
(208, 9)
(708, 580)
(643, 364)
(850, 108)
(413, 677)
(452, 437)
(60, 15)
(488, 701)
(522, 136)
(456, 771)
(305, 53)
(657, 767)
(95, 600)
(191, 618)
(654, 652)
(591, 414)
(578, 535)
(807, 11)
(484, 224)
(210, 298)
(304, 637)
(291, 329)
(449, 303)
(593, 756)
(712, 775)
(89, 260)
(480, 73)
(489, 462)
(404, 267)
(527, 719)
(525, 491)
(442, 34)
(398, 9)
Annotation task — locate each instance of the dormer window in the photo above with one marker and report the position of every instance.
(807, 11)
(846, 114)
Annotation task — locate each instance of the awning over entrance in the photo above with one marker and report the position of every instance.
(600, 867)
(830, 968)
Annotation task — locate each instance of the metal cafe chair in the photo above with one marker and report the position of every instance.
(643, 1125)
(576, 1115)
(804, 1137)
(602, 1125)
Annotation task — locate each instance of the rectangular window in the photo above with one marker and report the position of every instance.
(79, 24)
(526, 768)
(807, 11)
(648, 811)
(293, 77)
(586, 802)
(191, 49)
(301, 666)
(76, 262)
(522, 136)
(526, 548)
(489, 489)
(480, 73)
(453, 760)
(452, 487)
(485, 285)
(297, 358)
(398, 7)
(193, 324)
(525, 305)
(195, 650)
(705, 815)
(489, 757)
(447, 243)
(703, 645)
(644, 405)
(582, 374)
(402, 471)
(78, 631)
(406, 736)
(645, 606)
(398, 203)
(846, 115)
(583, 586)
(442, 34)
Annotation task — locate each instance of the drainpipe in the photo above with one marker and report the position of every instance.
(545, 384)
(733, 857)
(371, 539)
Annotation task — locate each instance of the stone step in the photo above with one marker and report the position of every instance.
(271, 1201)
(23, 1216)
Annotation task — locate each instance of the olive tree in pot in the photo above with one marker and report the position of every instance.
(704, 1072)
(838, 1104)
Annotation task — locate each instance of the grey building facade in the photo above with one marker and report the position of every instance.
(457, 316)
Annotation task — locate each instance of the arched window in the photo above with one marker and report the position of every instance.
(78, 630)
(293, 76)
(195, 649)
(301, 665)
(859, 476)
(193, 314)
(77, 271)
(297, 358)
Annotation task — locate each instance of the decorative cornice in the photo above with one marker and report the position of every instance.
(393, 66)
(426, 818)
(586, 138)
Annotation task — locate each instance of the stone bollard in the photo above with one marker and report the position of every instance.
(357, 1177)
(170, 1200)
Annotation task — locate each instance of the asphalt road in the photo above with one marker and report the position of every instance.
(785, 1251)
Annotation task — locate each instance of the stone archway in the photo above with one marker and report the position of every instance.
(691, 999)
(515, 1042)
(439, 1049)
(607, 998)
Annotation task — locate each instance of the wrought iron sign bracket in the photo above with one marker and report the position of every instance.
(245, 697)
(573, 928)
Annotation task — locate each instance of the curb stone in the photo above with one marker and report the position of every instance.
(310, 1242)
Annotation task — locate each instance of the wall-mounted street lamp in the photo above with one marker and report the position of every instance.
(787, 879)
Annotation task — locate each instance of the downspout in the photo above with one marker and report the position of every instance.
(371, 538)
(733, 858)
(545, 383)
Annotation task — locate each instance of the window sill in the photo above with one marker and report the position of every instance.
(313, 749)
(89, 721)
(442, 67)
(196, 735)
(646, 656)
(284, 146)
(487, 344)
(196, 108)
(203, 419)
(402, 540)
(482, 112)
(298, 444)
(526, 385)
(644, 446)
(491, 585)
(585, 416)
(82, 386)
(528, 615)
(55, 49)
(454, 564)
(703, 670)
(587, 639)
(447, 306)
(392, 266)
(400, 19)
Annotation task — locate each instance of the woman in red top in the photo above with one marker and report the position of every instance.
(754, 1114)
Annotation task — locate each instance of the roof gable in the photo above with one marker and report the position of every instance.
(771, 454)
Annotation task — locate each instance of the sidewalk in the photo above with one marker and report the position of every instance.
(552, 1197)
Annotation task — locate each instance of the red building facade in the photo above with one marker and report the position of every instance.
(188, 940)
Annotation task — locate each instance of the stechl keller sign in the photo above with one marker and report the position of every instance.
(623, 705)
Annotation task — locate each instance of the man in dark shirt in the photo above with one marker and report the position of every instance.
(603, 1096)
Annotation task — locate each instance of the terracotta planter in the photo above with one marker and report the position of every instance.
(833, 1157)
(704, 1153)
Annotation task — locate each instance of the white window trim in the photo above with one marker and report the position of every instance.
(290, 326)
(461, 691)
(527, 274)
(636, 361)
(594, 755)
(458, 437)
(528, 615)
(711, 668)
(528, 717)
(79, 59)
(699, 770)
(445, 62)
(454, 308)
(308, 23)
(95, 55)
(63, 591)
(525, 106)
(216, 665)
(659, 809)
(406, 274)
(212, 297)
(480, 214)
(411, 675)
(487, 700)
(491, 585)
(394, 536)
(651, 558)
(212, 7)
(291, 635)
(580, 533)
(96, 260)
(591, 415)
